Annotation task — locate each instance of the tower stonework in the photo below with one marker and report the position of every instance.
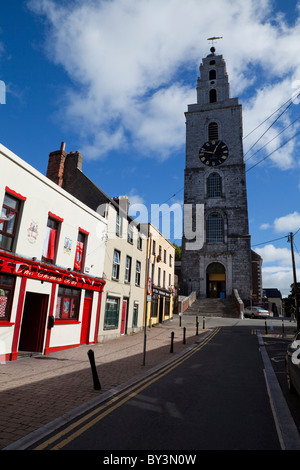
(215, 180)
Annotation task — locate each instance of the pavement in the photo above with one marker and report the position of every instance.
(40, 393)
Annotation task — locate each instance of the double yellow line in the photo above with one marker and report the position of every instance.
(87, 421)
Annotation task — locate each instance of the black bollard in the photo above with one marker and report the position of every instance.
(184, 331)
(197, 326)
(97, 385)
(172, 341)
(203, 323)
(266, 329)
(179, 320)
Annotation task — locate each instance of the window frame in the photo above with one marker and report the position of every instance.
(5, 232)
(138, 271)
(8, 305)
(111, 317)
(127, 276)
(72, 297)
(116, 265)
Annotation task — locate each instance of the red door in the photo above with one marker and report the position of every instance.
(124, 316)
(86, 320)
(33, 322)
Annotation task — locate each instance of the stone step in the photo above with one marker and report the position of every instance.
(213, 307)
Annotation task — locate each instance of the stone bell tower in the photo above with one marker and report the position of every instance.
(215, 183)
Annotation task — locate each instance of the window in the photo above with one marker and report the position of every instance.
(128, 269)
(215, 228)
(171, 261)
(130, 233)
(213, 96)
(8, 221)
(111, 317)
(138, 273)
(164, 279)
(7, 284)
(118, 225)
(116, 265)
(50, 242)
(214, 185)
(212, 74)
(170, 281)
(165, 256)
(154, 247)
(213, 133)
(158, 280)
(67, 306)
(135, 315)
(139, 242)
(80, 251)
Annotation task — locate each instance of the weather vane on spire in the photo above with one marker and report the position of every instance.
(214, 38)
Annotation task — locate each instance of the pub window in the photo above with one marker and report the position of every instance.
(214, 185)
(213, 132)
(8, 221)
(215, 228)
(68, 301)
(111, 316)
(80, 251)
(50, 241)
(7, 284)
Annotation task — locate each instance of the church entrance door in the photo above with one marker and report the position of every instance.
(216, 281)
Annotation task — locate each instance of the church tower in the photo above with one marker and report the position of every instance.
(215, 189)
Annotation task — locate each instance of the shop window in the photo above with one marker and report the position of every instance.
(138, 273)
(116, 265)
(111, 317)
(128, 269)
(67, 306)
(80, 251)
(51, 239)
(167, 306)
(135, 315)
(7, 284)
(9, 221)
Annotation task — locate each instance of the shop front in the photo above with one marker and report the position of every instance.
(45, 308)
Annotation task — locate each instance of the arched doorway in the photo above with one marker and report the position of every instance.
(216, 281)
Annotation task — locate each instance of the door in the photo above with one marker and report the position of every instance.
(33, 322)
(124, 316)
(86, 318)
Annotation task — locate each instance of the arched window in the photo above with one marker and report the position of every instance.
(212, 74)
(212, 96)
(213, 132)
(214, 185)
(215, 228)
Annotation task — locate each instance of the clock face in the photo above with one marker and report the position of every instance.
(213, 153)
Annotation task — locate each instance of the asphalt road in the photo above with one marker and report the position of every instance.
(213, 398)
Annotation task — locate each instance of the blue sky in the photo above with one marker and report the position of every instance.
(113, 79)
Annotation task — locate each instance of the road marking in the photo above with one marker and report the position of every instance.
(117, 401)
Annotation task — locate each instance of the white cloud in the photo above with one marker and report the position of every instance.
(271, 254)
(126, 58)
(287, 223)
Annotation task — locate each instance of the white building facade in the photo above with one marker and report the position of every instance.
(52, 251)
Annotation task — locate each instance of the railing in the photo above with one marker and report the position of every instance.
(185, 302)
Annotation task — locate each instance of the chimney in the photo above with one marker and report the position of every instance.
(56, 165)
